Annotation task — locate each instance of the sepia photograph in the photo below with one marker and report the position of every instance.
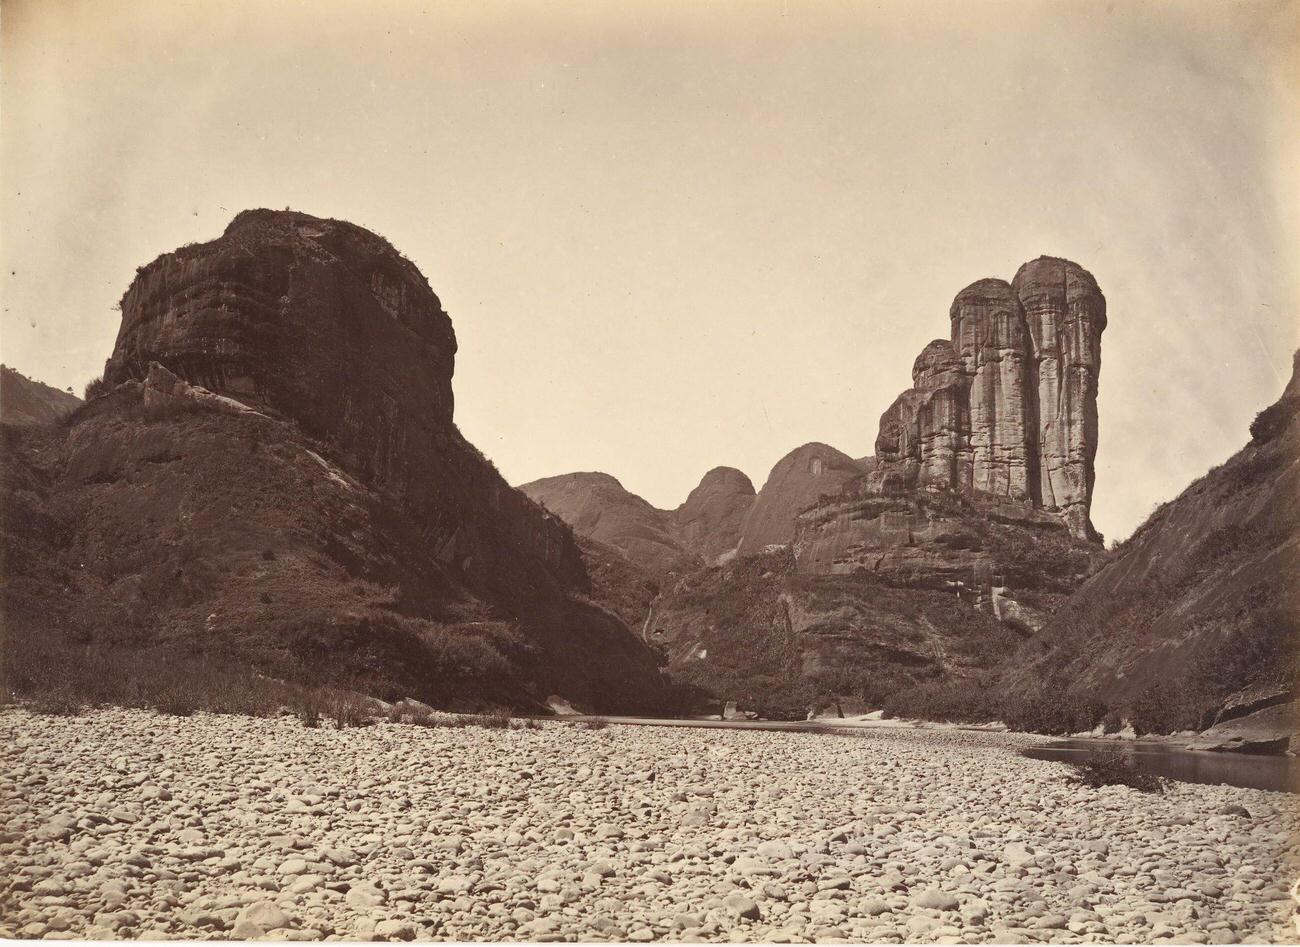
(692, 471)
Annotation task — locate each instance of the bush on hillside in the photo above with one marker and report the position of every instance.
(1273, 420)
(96, 387)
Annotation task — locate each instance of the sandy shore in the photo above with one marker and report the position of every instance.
(128, 824)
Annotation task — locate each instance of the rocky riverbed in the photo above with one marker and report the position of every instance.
(126, 824)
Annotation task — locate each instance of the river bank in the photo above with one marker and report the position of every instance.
(130, 824)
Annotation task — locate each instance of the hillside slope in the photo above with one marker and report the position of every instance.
(1197, 615)
(704, 528)
(311, 512)
(25, 401)
(600, 508)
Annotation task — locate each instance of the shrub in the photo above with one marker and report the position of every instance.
(175, 703)
(346, 710)
(309, 714)
(1273, 420)
(493, 721)
(1113, 770)
(1053, 712)
(96, 387)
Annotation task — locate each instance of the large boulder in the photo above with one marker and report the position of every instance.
(1273, 729)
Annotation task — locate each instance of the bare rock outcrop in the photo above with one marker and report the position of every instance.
(1008, 408)
(984, 467)
(1066, 314)
(797, 481)
(992, 341)
(710, 520)
(600, 508)
(924, 435)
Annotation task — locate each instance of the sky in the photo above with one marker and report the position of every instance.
(674, 236)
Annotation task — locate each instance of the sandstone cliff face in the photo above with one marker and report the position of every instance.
(1066, 314)
(796, 482)
(1008, 408)
(924, 435)
(24, 401)
(983, 476)
(325, 323)
(710, 520)
(990, 336)
(320, 320)
(274, 475)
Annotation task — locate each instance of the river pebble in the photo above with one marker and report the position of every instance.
(127, 824)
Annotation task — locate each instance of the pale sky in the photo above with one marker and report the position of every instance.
(677, 235)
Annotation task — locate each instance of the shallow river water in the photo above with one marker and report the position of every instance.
(1248, 770)
(1253, 771)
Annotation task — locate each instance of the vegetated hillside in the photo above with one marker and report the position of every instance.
(619, 584)
(316, 516)
(778, 641)
(792, 629)
(1197, 615)
(25, 401)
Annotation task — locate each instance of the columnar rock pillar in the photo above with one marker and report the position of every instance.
(924, 434)
(1066, 314)
(1008, 408)
(990, 336)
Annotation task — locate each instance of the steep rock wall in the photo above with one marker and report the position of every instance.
(1008, 408)
(325, 323)
(1065, 313)
(990, 337)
